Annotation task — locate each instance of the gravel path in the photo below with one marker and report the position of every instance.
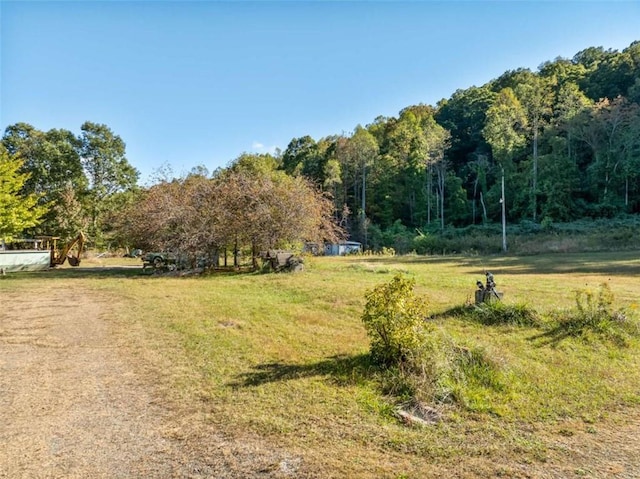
(72, 405)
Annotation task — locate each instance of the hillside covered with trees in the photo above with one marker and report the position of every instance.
(565, 138)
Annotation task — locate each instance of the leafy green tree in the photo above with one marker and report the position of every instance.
(106, 166)
(630, 151)
(406, 145)
(536, 96)
(504, 131)
(52, 162)
(479, 168)
(361, 150)
(604, 128)
(436, 141)
(464, 115)
(562, 72)
(18, 211)
(302, 157)
(612, 75)
(257, 164)
(505, 127)
(570, 103)
(69, 213)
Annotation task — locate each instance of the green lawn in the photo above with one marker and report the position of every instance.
(284, 356)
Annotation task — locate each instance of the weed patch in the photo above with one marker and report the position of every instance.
(594, 317)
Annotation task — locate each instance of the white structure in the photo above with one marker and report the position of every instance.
(342, 248)
(24, 260)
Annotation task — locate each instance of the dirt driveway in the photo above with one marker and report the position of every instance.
(73, 404)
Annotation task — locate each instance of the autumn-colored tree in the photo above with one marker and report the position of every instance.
(236, 209)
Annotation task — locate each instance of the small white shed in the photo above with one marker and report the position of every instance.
(342, 248)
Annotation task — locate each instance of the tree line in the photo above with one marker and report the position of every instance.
(565, 138)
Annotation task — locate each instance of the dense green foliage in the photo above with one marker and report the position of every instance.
(17, 211)
(80, 177)
(394, 319)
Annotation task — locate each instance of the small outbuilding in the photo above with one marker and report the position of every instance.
(342, 248)
(23, 255)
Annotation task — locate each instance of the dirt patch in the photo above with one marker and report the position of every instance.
(73, 404)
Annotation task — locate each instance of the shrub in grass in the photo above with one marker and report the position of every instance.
(394, 319)
(420, 361)
(499, 312)
(595, 315)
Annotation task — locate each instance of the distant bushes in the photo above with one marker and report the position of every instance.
(527, 237)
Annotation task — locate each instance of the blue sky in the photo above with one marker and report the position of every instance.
(198, 83)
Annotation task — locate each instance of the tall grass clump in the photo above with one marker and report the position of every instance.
(595, 316)
(419, 361)
(498, 312)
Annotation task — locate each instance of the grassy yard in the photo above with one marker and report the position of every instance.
(284, 357)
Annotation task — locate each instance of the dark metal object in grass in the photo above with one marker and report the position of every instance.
(159, 261)
(282, 261)
(487, 292)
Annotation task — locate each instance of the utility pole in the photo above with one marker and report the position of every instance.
(504, 217)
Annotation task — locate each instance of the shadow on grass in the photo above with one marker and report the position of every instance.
(552, 337)
(623, 263)
(462, 311)
(342, 369)
(81, 273)
(115, 272)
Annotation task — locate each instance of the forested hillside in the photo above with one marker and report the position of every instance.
(565, 139)
(566, 136)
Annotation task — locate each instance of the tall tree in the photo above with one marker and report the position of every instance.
(362, 149)
(535, 95)
(17, 211)
(107, 168)
(603, 128)
(301, 157)
(505, 127)
(436, 142)
(504, 131)
(52, 162)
